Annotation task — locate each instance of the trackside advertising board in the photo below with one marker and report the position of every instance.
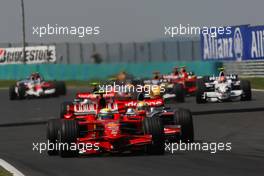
(34, 55)
(242, 43)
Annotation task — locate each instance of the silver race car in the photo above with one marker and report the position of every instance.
(222, 88)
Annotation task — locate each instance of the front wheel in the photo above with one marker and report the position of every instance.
(67, 135)
(183, 117)
(200, 91)
(52, 135)
(154, 127)
(246, 88)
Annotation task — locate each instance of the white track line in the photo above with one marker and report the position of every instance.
(258, 90)
(10, 168)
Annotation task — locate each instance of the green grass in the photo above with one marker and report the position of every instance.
(4, 172)
(256, 83)
(6, 83)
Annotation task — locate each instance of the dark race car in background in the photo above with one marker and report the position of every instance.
(175, 87)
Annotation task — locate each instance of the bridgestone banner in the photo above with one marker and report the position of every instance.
(34, 55)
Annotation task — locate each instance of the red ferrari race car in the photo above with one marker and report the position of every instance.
(186, 79)
(35, 86)
(136, 122)
(107, 132)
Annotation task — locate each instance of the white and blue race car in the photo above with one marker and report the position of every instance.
(222, 88)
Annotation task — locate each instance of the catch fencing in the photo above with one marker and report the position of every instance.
(253, 68)
(82, 53)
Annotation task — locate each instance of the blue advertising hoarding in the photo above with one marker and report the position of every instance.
(244, 42)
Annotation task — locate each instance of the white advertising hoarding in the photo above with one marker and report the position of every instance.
(34, 55)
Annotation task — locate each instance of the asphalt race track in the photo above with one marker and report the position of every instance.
(241, 123)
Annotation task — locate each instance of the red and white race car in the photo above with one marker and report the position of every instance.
(35, 86)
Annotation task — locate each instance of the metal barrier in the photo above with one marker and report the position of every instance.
(253, 68)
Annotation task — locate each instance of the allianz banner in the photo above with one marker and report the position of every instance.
(242, 43)
(34, 55)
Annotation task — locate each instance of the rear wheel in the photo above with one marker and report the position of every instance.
(179, 91)
(68, 133)
(154, 127)
(52, 135)
(200, 91)
(183, 117)
(246, 88)
(12, 93)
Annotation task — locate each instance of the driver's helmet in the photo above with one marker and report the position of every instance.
(35, 76)
(222, 73)
(175, 71)
(105, 114)
(142, 106)
(130, 111)
(184, 74)
(183, 70)
(122, 76)
(156, 75)
(222, 79)
(155, 91)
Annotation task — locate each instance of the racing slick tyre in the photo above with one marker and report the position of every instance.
(60, 88)
(179, 91)
(67, 135)
(52, 135)
(63, 109)
(246, 88)
(154, 127)
(200, 91)
(183, 117)
(21, 91)
(12, 93)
